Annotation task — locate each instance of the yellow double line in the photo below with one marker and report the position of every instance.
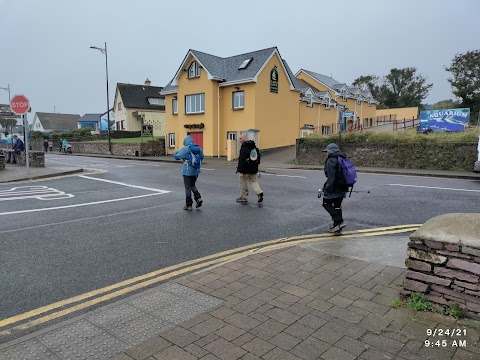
(157, 276)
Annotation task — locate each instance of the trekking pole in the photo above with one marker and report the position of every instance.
(266, 172)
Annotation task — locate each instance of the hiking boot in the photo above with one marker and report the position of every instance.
(187, 207)
(260, 197)
(199, 202)
(336, 228)
(241, 200)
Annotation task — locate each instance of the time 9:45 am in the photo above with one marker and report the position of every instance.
(445, 343)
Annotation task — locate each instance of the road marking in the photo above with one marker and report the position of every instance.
(79, 205)
(179, 269)
(434, 187)
(293, 176)
(33, 192)
(120, 183)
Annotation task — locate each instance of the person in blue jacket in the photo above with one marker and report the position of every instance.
(17, 148)
(190, 173)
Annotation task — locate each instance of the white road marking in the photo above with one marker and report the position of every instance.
(78, 205)
(33, 192)
(120, 183)
(434, 187)
(290, 176)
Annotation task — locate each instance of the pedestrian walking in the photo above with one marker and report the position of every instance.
(45, 145)
(334, 190)
(50, 145)
(60, 144)
(248, 162)
(192, 156)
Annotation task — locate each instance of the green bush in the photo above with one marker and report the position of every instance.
(419, 302)
(36, 135)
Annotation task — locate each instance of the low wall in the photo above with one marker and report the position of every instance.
(150, 148)
(444, 262)
(37, 158)
(431, 156)
(2, 162)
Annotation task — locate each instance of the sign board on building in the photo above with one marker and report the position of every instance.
(348, 113)
(274, 80)
(147, 130)
(444, 119)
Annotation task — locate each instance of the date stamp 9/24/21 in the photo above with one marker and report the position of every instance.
(450, 337)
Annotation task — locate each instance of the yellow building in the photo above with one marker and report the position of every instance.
(135, 105)
(356, 100)
(390, 115)
(216, 99)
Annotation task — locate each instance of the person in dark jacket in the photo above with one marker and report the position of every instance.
(248, 170)
(45, 146)
(334, 191)
(17, 148)
(189, 174)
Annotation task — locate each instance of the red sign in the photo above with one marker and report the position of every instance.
(19, 105)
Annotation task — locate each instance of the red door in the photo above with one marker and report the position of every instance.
(197, 137)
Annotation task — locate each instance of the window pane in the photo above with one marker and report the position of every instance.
(202, 102)
(242, 99)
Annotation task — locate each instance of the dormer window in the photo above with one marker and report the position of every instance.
(193, 70)
(359, 101)
(370, 102)
(156, 101)
(327, 105)
(309, 99)
(245, 63)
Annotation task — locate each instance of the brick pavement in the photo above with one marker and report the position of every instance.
(296, 303)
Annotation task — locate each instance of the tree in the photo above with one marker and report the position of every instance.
(368, 81)
(404, 88)
(446, 104)
(465, 69)
(7, 123)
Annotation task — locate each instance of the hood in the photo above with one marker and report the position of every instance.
(188, 140)
(250, 144)
(331, 149)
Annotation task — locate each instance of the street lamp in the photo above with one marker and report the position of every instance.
(104, 52)
(8, 89)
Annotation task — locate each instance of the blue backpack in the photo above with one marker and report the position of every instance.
(195, 157)
(348, 174)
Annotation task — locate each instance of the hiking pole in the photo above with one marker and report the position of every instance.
(361, 191)
(266, 172)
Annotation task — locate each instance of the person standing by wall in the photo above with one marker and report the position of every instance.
(18, 146)
(45, 145)
(50, 145)
(192, 156)
(248, 169)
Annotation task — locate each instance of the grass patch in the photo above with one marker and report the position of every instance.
(419, 302)
(455, 311)
(397, 303)
(128, 140)
(409, 136)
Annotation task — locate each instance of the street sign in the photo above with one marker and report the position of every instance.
(341, 107)
(19, 105)
(348, 113)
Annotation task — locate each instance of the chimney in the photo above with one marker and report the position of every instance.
(147, 82)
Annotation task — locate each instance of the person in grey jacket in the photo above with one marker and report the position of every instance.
(334, 190)
(190, 174)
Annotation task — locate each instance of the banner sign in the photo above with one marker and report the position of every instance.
(444, 119)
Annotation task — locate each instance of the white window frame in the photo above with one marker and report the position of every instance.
(241, 102)
(309, 97)
(156, 101)
(174, 106)
(325, 130)
(195, 104)
(327, 105)
(344, 97)
(122, 123)
(369, 102)
(193, 70)
(171, 140)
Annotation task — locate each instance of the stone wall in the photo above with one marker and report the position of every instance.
(2, 162)
(149, 148)
(37, 158)
(432, 156)
(444, 262)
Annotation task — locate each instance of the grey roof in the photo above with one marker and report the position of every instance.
(136, 96)
(90, 117)
(328, 81)
(303, 85)
(56, 121)
(292, 77)
(226, 69)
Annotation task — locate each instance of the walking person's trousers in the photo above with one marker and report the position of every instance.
(190, 187)
(246, 179)
(334, 208)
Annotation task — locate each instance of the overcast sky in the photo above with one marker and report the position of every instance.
(45, 52)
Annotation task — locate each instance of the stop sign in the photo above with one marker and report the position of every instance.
(19, 105)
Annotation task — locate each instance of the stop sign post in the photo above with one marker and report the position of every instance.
(20, 106)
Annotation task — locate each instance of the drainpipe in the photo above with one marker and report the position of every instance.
(218, 120)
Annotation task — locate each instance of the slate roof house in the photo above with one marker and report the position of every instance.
(137, 104)
(54, 122)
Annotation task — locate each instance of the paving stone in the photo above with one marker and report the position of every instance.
(258, 347)
(310, 349)
(375, 323)
(25, 350)
(174, 353)
(206, 340)
(299, 309)
(322, 278)
(258, 316)
(259, 283)
(284, 301)
(383, 300)
(340, 301)
(351, 345)
(320, 305)
(284, 341)
(242, 321)
(345, 314)
(261, 274)
(243, 339)
(196, 320)
(268, 329)
(334, 286)
(222, 312)
(279, 354)
(248, 305)
(383, 343)
(376, 354)
(121, 356)
(264, 308)
(249, 356)
(335, 353)
(462, 354)
(231, 301)
(384, 279)
(222, 293)
(236, 285)
(283, 316)
(196, 350)
(247, 292)
(207, 327)
(310, 285)
(266, 295)
(295, 290)
(230, 332)
(299, 330)
(291, 279)
(435, 353)
(415, 330)
(312, 321)
(233, 354)
(222, 346)
(400, 314)
(371, 306)
(322, 294)
(180, 336)
(326, 334)
(346, 328)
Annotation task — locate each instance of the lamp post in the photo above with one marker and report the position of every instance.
(104, 52)
(8, 89)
